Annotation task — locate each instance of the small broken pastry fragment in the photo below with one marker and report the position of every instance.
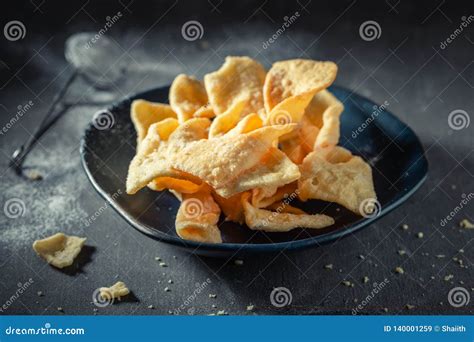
(187, 95)
(145, 113)
(59, 250)
(240, 78)
(333, 174)
(197, 218)
(118, 290)
(283, 219)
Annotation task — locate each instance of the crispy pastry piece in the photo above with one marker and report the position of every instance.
(159, 146)
(145, 113)
(296, 77)
(239, 78)
(333, 174)
(187, 95)
(280, 221)
(197, 218)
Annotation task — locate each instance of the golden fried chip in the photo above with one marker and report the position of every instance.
(220, 161)
(197, 218)
(231, 207)
(265, 197)
(181, 185)
(275, 169)
(227, 120)
(249, 123)
(187, 95)
(333, 174)
(278, 221)
(145, 113)
(296, 77)
(205, 112)
(239, 78)
(324, 112)
(59, 250)
(153, 157)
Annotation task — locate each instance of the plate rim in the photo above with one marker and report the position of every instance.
(236, 247)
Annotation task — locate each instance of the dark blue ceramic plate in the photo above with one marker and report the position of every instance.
(391, 147)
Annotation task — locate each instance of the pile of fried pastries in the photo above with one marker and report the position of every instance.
(246, 143)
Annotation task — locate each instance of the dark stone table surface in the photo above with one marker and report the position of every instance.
(412, 65)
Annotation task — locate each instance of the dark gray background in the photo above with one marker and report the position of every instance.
(405, 67)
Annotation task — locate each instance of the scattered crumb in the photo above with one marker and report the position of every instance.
(466, 224)
(432, 277)
(385, 309)
(399, 270)
(95, 309)
(410, 307)
(402, 252)
(40, 293)
(238, 262)
(365, 279)
(420, 235)
(212, 295)
(162, 264)
(347, 283)
(448, 277)
(250, 307)
(440, 256)
(404, 226)
(60, 309)
(34, 175)
(361, 257)
(461, 250)
(167, 289)
(328, 266)
(175, 257)
(170, 281)
(214, 306)
(221, 313)
(151, 307)
(356, 300)
(157, 258)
